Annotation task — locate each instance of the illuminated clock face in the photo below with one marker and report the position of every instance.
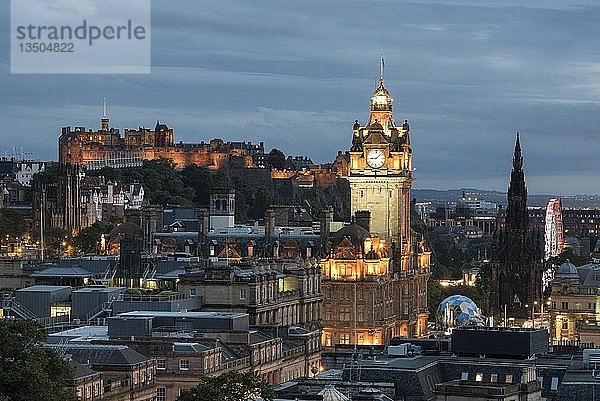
(376, 158)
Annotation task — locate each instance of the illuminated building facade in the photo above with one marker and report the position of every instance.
(106, 147)
(553, 233)
(376, 270)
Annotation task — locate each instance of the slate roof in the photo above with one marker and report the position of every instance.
(60, 271)
(257, 337)
(189, 348)
(80, 371)
(104, 355)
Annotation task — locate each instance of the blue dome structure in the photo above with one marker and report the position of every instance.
(458, 311)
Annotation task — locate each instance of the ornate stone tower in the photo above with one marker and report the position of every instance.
(380, 170)
(518, 251)
(374, 277)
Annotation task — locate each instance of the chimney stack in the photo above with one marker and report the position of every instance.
(363, 219)
(269, 223)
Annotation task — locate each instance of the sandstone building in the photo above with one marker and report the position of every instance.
(375, 271)
(106, 147)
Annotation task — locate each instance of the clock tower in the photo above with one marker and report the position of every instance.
(374, 277)
(381, 170)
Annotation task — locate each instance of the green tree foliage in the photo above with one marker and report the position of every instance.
(255, 190)
(230, 386)
(276, 159)
(163, 185)
(568, 255)
(53, 242)
(11, 223)
(446, 256)
(27, 371)
(88, 239)
(483, 285)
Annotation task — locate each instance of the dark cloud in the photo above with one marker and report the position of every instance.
(467, 75)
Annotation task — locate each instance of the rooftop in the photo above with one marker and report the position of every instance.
(190, 315)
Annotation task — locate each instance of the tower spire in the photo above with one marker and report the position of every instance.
(381, 69)
(518, 156)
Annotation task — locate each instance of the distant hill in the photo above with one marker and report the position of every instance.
(452, 195)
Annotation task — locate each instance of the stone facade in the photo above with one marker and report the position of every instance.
(107, 147)
(375, 270)
(518, 252)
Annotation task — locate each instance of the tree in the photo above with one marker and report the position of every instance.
(276, 159)
(88, 239)
(230, 386)
(55, 240)
(11, 223)
(567, 255)
(28, 371)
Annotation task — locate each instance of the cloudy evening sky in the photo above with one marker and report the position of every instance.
(296, 74)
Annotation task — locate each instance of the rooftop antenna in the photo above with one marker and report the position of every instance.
(104, 121)
(104, 107)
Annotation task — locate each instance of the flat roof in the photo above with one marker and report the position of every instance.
(99, 289)
(44, 288)
(421, 361)
(190, 315)
(83, 333)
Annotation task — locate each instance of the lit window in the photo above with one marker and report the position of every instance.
(464, 376)
(479, 377)
(509, 379)
(494, 378)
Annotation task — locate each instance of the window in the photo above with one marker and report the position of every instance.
(161, 364)
(509, 379)
(494, 378)
(479, 377)
(464, 376)
(565, 305)
(345, 313)
(184, 364)
(554, 383)
(328, 340)
(243, 293)
(565, 324)
(161, 394)
(345, 338)
(192, 292)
